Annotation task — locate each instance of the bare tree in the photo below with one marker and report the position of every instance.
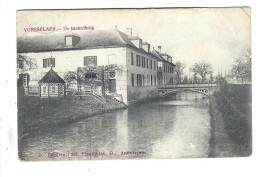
(211, 78)
(195, 78)
(178, 69)
(25, 63)
(185, 80)
(203, 69)
(241, 68)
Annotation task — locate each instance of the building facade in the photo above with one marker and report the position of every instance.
(136, 80)
(165, 68)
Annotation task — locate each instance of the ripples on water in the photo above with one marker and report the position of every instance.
(176, 128)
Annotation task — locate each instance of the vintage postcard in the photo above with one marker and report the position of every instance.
(134, 83)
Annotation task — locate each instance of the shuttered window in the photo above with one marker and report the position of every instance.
(90, 61)
(48, 62)
(132, 59)
(20, 64)
(133, 79)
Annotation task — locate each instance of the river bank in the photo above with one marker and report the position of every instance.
(36, 115)
(230, 112)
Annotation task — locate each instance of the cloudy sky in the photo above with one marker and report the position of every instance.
(215, 35)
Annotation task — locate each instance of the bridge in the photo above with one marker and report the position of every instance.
(205, 89)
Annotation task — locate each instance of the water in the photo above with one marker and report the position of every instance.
(175, 128)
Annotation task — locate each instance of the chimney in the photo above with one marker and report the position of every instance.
(129, 31)
(159, 48)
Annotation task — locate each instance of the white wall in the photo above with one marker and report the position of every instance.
(70, 60)
(138, 93)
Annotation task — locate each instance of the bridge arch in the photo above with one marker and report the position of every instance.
(205, 89)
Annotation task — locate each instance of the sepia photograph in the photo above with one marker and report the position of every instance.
(123, 84)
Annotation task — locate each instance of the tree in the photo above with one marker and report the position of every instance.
(241, 68)
(25, 63)
(202, 69)
(185, 80)
(93, 74)
(195, 78)
(211, 78)
(178, 69)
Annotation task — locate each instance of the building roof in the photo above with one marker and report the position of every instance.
(51, 77)
(159, 55)
(88, 39)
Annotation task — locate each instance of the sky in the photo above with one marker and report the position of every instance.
(189, 35)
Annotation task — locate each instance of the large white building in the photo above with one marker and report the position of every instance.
(137, 79)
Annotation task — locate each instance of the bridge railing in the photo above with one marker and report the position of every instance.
(188, 86)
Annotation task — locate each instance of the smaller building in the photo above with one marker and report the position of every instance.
(51, 85)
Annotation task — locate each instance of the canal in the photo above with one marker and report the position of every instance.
(178, 127)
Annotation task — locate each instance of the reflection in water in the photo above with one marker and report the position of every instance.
(178, 127)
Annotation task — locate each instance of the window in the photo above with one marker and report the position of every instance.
(133, 79)
(48, 62)
(143, 62)
(68, 41)
(155, 80)
(90, 76)
(53, 89)
(24, 78)
(132, 59)
(147, 78)
(138, 61)
(151, 64)
(44, 89)
(143, 80)
(154, 65)
(90, 61)
(139, 80)
(20, 64)
(147, 62)
(151, 80)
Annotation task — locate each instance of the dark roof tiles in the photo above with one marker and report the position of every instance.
(88, 39)
(51, 77)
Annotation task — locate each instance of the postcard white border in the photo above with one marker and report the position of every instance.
(11, 166)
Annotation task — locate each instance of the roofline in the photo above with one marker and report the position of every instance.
(98, 47)
(158, 53)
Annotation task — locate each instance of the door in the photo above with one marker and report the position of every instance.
(112, 86)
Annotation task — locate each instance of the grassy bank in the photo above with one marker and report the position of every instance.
(35, 114)
(230, 111)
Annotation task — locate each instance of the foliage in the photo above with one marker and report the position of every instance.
(102, 75)
(241, 68)
(202, 69)
(234, 102)
(178, 69)
(26, 63)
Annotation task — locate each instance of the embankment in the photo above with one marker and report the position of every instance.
(35, 115)
(231, 128)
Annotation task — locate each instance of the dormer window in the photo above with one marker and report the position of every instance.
(71, 41)
(68, 41)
